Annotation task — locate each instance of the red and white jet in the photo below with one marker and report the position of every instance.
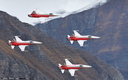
(37, 15)
(80, 38)
(71, 67)
(22, 44)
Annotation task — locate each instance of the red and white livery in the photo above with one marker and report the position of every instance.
(37, 15)
(22, 44)
(80, 38)
(72, 67)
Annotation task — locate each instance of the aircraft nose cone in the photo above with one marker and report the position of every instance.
(29, 15)
(96, 37)
(86, 66)
(37, 42)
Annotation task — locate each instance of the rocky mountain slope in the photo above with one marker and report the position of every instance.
(108, 21)
(40, 62)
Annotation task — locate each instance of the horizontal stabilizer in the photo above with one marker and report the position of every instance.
(71, 41)
(12, 47)
(62, 70)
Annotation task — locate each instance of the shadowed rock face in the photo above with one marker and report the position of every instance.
(41, 61)
(108, 21)
(111, 24)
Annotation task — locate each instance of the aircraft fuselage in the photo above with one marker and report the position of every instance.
(67, 67)
(78, 38)
(20, 43)
(40, 15)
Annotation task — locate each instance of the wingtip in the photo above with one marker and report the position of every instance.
(75, 30)
(66, 59)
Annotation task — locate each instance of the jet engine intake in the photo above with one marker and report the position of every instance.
(81, 65)
(89, 37)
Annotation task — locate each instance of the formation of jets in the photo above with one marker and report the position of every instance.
(74, 37)
(68, 65)
(71, 67)
(80, 38)
(22, 44)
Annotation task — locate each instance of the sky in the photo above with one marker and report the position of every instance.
(21, 8)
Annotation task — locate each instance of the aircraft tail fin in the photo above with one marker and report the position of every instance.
(9, 41)
(68, 36)
(10, 44)
(60, 68)
(71, 41)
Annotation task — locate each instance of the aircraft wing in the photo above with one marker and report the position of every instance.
(81, 42)
(68, 62)
(72, 71)
(22, 47)
(17, 38)
(76, 33)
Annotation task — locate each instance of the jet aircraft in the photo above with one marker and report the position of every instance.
(37, 15)
(80, 38)
(71, 67)
(21, 44)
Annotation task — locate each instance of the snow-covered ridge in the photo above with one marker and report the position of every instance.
(63, 13)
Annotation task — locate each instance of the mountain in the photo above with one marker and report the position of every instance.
(108, 21)
(40, 62)
(71, 9)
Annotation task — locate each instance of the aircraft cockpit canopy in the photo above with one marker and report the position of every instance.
(73, 35)
(34, 12)
(51, 13)
(13, 40)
